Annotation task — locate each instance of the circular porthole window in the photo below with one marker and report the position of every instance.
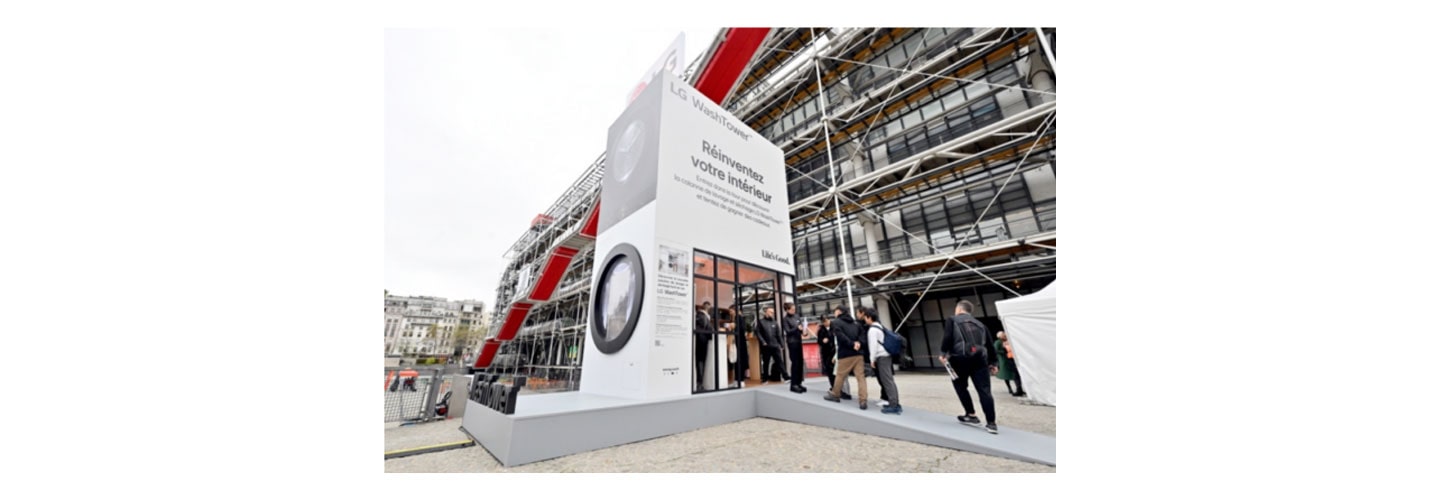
(616, 299)
(632, 142)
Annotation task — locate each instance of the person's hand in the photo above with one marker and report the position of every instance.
(872, 364)
(824, 341)
(994, 369)
(857, 346)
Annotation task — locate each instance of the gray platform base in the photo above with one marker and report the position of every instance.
(920, 426)
(549, 426)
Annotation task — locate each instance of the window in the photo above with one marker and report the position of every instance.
(1022, 222)
(932, 110)
(1045, 212)
(1041, 183)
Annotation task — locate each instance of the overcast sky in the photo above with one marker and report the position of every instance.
(485, 128)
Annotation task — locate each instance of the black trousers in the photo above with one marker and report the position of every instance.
(885, 371)
(979, 373)
(772, 367)
(702, 348)
(797, 363)
(1019, 385)
(742, 358)
(827, 365)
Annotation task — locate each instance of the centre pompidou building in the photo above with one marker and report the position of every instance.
(921, 168)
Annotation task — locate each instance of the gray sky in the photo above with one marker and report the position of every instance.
(485, 128)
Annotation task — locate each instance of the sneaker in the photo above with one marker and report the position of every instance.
(845, 396)
(969, 420)
(884, 403)
(796, 390)
(895, 410)
(990, 428)
(863, 407)
(832, 398)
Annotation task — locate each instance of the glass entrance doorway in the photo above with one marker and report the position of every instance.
(730, 299)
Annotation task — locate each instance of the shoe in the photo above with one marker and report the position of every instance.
(845, 396)
(884, 403)
(863, 407)
(969, 420)
(892, 410)
(796, 390)
(992, 429)
(832, 398)
(803, 388)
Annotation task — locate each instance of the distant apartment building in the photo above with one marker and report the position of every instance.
(431, 325)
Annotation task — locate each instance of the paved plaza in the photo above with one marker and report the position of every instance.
(755, 445)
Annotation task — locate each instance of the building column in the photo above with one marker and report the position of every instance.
(882, 307)
(871, 227)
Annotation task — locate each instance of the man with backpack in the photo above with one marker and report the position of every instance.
(884, 347)
(965, 347)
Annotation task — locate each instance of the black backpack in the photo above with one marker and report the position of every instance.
(969, 341)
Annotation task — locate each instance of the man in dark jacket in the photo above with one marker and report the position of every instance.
(772, 367)
(849, 350)
(965, 347)
(703, 338)
(827, 354)
(742, 348)
(793, 337)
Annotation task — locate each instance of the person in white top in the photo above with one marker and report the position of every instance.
(880, 359)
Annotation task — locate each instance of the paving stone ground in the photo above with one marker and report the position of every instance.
(754, 445)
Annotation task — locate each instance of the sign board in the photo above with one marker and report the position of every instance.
(681, 174)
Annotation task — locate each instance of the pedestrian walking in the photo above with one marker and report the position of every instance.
(966, 352)
(849, 349)
(881, 360)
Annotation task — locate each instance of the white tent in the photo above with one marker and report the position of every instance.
(1030, 325)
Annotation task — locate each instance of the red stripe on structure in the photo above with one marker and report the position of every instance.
(514, 319)
(729, 60)
(487, 353)
(554, 270)
(592, 222)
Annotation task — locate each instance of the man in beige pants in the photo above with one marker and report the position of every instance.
(850, 354)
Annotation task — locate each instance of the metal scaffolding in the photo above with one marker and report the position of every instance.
(919, 162)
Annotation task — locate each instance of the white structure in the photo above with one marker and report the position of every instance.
(1030, 324)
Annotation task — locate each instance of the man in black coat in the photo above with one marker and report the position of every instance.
(966, 349)
(826, 338)
(849, 350)
(772, 367)
(736, 324)
(703, 326)
(793, 339)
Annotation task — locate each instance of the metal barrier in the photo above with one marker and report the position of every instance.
(411, 393)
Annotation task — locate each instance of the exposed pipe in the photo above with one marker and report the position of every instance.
(834, 179)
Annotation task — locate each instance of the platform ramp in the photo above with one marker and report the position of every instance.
(916, 425)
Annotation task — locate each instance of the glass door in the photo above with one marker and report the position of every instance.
(730, 299)
(753, 300)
